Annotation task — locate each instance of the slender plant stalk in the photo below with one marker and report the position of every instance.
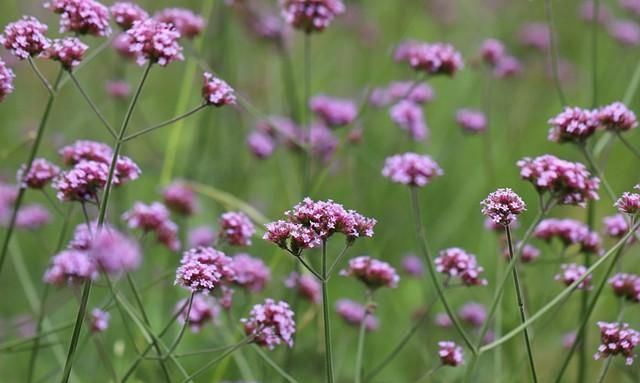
(36, 345)
(594, 165)
(212, 362)
(273, 365)
(165, 123)
(548, 10)
(594, 53)
(41, 77)
(306, 139)
(605, 369)
(289, 83)
(328, 352)
(93, 106)
(361, 335)
(337, 260)
(584, 306)
(422, 243)
(176, 342)
(523, 315)
(308, 267)
(628, 145)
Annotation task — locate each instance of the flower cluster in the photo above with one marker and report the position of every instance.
(473, 313)
(236, 228)
(114, 252)
(155, 42)
(570, 182)
(625, 32)
(87, 151)
(354, 313)
(32, 217)
(311, 15)
(418, 93)
(250, 273)
(81, 16)
(617, 117)
(571, 273)
(471, 120)
(179, 198)
(536, 36)
(154, 218)
(204, 268)
(99, 320)
(372, 272)
(494, 54)
(333, 111)
(616, 226)
(626, 286)
(261, 144)
(411, 169)
(409, 117)
(412, 265)
(217, 92)
(6, 79)
(127, 13)
(67, 51)
(25, 38)
(432, 58)
(455, 262)
(573, 125)
(82, 182)
(528, 253)
(184, 20)
(569, 232)
(306, 285)
(39, 175)
(450, 353)
(617, 339)
(70, 266)
(322, 142)
(503, 206)
(203, 310)
(629, 203)
(201, 236)
(270, 324)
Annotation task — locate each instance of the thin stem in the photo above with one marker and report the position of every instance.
(175, 343)
(306, 164)
(41, 77)
(628, 144)
(594, 165)
(308, 267)
(86, 290)
(289, 83)
(594, 53)
(211, 363)
(273, 365)
(165, 123)
(19, 342)
(422, 243)
(429, 373)
(34, 353)
(328, 355)
(337, 260)
(548, 10)
(605, 369)
(523, 315)
(93, 106)
(361, 335)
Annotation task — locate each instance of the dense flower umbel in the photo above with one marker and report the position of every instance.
(569, 232)
(411, 169)
(6, 80)
(372, 272)
(492, 51)
(99, 320)
(616, 226)
(535, 35)
(81, 16)
(236, 228)
(184, 20)
(455, 262)
(71, 266)
(333, 111)
(473, 313)
(86, 150)
(204, 310)
(180, 198)
(25, 37)
(217, 92)
(311, 15)
(322, 141)
(433, 58)
(152, 41)
(503, 206)
(570, 182)
(270, 324)
(626, 286)
(82, 182)
(412, 265)
(154, 218)
(626, 32)
(251, 273)
(204, 268)
(306, 285)
(418, 93)
(450, 353)
(261, 144)
(114, 252)
(201, 236)
(629, 203)
(354, 313)
(126, 13)
(32, 217)
(617, 339)
(573, 125)
(471, 120)
(409, 117)
(40, 174)
(67, 51)
(507, 66)
(617, 117)
(572, 272)
(529, 253)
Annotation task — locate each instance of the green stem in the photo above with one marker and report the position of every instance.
(594, 53)
(211, 363)
(36, 345)
(628, 145)
(328, 356)
(93, 106)
(165, 123)
(337, 260)
(308, 267)
(289, 83)
(594, 165)
(273, 365)
(361, 335)
(605, 369)
(176, 342)
(306, 139)
(41, 77)
(548, 10)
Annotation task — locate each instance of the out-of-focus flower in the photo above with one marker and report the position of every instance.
(203, 310)
(616, 226)
(250, 272)
(471, 120)
(322, 141)
(455, 262)
(617, 339)
(67, 51)
(354, 313)
(507, 66)
(372, 272)
(25, 38)
(411, 169)
(573, 125)
(126, 13)
(118, 89)
(261, 144)
(39, 175)
(503, 206)
(201, 236)
(114, 252)
(626, 286)
(84, 150)
(412, 265)
(409, 117)
(270, 324)
(473, 313)
(152, 41)
(433, 58)
(617, 117)
(236, 228)
(184, 20)
(306, 285)
(626, 32)
(536, 36)
(572, 272)
(32, 217)
(81, 16)
(588, 12)
(99, 320)
(529, 253)
(311, 15)
(569, 232)
(180, 198)
(71, 266)
(416, 92)
(491, 51)
(217, 92)
(154, 218)
(6, 80)
(450, 353)
(632, 6)
(333, 111)
(443, 320)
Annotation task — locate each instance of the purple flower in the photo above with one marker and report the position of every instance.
(573, 125)
(503, 206)
(99, 320)
(411, 169)
(118, 89)
(261, 144)
(409, 116)
(432, 58)
(152, 41)
(67, 51)
(86, 150)
(217, 92)
(32, 217)
(354, 313)
(450, 353)
(71, 266)
(236, 228)
(626, 286)
(616, 226)
(629, 203)
(81, 16)
(39, 175)
(443, 320)
(536, 36)
(270, 324)
(471, 120)
(626, 32)
(204, 268)
(114, 252)
(6, 79)
(203, 310)
(122, 45)
(82, 182)
(251, 273)
(322, 141)
(412, 265)
(372, 272)
(572, 272)
(492, 51)
(306, 285)
(180, 198)
(333, 111)
(291, 237)
(507, 66)
(588, 12)
(455, 262)
(311, 15)
(184, 20)
(569, 339)
(25, 38)
(126, 13)
(154, 218)
(569, 232)
(201, 236)
(528, 255)
(473, 313)
(617, 117)
(617, 339)
(632, 6)
(418, 93)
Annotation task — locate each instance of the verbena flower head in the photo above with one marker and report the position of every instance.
(311, 15)
(32, 217)
(201, 236)
(507, 66)
(204, 310)
(270, 324)
(67, 51)
(154, 218)
(617, 117)
(204, 268)
(322, 141)
(626, 32)
(471, 120)
(503, 206)
(81, 16)
(455, 262)
(354, 313)
(126, 13)
(86, 150)
(473, 313)
(261, 144)
(528, 255)
(573, 125)
(536, 36)
(71, 266)
(180, 198)
(184, 20)
(496, 227)
(617, 339)
(616, 226)
(333, 111)
(118, 89)
(491, 51)
(443, 320)
(450, 353)
(632, 6)
(418, 93)
(570, 182)
(629, 203)
(155, 42)
(411, 169)
(409, 117)
(572, 272)
(306, 285)
(626, 286)
(6, 80)
(236, 228)
(432, 58)
(217, 92)
(569, 232)
(412, 265)
(122, 45)
(25, 38)
(588, 12)
(99, 320)
(372, 272)
(41, 173)
(114, 252)
(251, 273)
(82, 182)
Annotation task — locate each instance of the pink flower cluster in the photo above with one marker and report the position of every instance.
(25, 38)
(411, 169)
(67, 51)
(626, 32)
(569, 232)
(529, 253)
(570, 182)
(217, 92)
(626, 286)
(204, 268)
(6, 79)
(573, 125)
(203, 310)
(306, 285)
(617, 339)
(322, 141)
(39, 175)
(270, 324)
(81, 16)
(571, 273)
(471, 120)
(354, 313)
(32, 217)
(201, 236)
(87, 151)
(412, 265)
(418, 93)
(236, 228)
(126, 13)
(473, 313)
(70, 266)
(155, 42)
(261, 144)
(629, 203)
(432, 58)
(180, 198)
(184, 20)
(409, 117)
(372, 272)
(450, 353)
(455, 262)
(536, 36)
(617, 117)
(311, 15)
(494, 54)
(99, 320)
(114, 252)
(334, 112)
(82, 182)
(503, 206)
(154, 218)
(251, 273)
(616, 226)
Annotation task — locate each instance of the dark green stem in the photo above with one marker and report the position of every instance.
(328, 352)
